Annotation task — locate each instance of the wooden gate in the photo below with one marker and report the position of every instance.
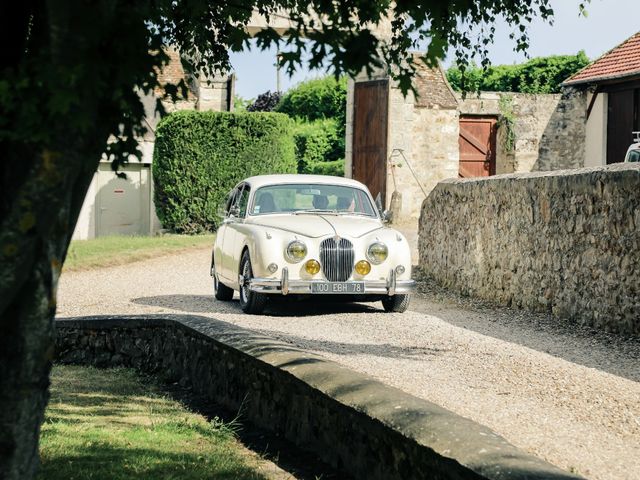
(477, 143)
(370, 117)
(622, 120)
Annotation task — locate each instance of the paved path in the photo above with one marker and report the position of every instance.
(561, 393)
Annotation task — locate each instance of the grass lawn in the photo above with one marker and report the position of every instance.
(112, 425)
(108, 251)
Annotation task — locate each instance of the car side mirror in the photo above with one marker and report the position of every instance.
(379, 202)
(234, 211)
(384, 214)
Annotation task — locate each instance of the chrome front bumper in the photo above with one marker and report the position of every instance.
(284, 286)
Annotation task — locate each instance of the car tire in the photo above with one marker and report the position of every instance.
(250, 302)
(396, 303)
(220, 290)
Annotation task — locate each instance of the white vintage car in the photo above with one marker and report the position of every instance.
(633, 153)
(308, 235)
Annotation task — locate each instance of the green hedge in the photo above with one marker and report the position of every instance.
(335, 168)
(200, 156)
(318, 141)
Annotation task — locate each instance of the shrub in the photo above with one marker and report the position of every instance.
(538, 75)
(316, 99)
(335, 168)
(319, 107)
(317, 141)
(200, 156)
(266, 102)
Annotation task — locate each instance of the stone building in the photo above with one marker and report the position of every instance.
(115, 206)
(118, 206)
(401, 147)
(612, 86)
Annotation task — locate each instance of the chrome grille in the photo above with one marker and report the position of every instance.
(337, 259)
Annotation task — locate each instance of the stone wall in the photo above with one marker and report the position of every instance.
(550, 129)
(353, 422)
(567, 242)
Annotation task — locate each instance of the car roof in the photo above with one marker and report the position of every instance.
(263, 180)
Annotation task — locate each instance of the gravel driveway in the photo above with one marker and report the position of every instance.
(565, 394)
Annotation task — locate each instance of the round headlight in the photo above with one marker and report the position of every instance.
(363, 267)
(377, 253)
(296, 251)
(312, 266)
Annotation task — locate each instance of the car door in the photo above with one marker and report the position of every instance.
(219, 252)
(232, 237)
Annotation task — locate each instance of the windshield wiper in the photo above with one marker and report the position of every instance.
(316, 210)
(360, 214)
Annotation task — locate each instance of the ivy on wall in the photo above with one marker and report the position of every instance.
(538, 75)
(507, 122)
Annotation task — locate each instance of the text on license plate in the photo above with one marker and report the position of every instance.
(337, 287)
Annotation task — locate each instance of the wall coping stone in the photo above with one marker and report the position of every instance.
(564, 174)
(466, 448)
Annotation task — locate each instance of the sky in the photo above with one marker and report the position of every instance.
(608, 23)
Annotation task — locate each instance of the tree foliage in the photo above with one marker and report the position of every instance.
(240, 104)
(319, 108)
(538, 75)
(265, 102)
(200, 156)
(316, 99)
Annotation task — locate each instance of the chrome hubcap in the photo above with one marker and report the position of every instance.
(244, 289)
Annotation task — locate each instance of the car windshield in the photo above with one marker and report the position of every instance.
(633, 156)
(312, 197)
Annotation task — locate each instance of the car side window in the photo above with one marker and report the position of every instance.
(243, 201)
(230, 201)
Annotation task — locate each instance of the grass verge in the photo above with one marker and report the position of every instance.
(109, 251)
(110, 425)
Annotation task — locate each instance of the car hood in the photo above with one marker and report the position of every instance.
(315, 225)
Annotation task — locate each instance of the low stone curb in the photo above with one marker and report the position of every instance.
(352, 421)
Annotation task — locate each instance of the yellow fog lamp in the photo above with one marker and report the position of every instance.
(312, 267)
(363, 267)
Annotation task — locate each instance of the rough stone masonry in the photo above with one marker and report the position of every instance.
(563, 241)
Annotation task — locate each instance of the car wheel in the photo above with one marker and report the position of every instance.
(220, 290)
(250, 302)
(396, 303)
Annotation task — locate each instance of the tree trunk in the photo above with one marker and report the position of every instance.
(70, 75)
(39, 214)
(26, 351)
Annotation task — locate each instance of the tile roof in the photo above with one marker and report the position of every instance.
(622, 61)
(432, 86)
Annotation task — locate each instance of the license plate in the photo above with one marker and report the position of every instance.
(337, 287)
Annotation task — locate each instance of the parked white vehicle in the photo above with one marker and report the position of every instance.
(308, 235)
(633, 153)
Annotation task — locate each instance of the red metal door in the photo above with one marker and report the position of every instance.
(477, 144)
(370, 117)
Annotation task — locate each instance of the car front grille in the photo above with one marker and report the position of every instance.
(337, 259)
